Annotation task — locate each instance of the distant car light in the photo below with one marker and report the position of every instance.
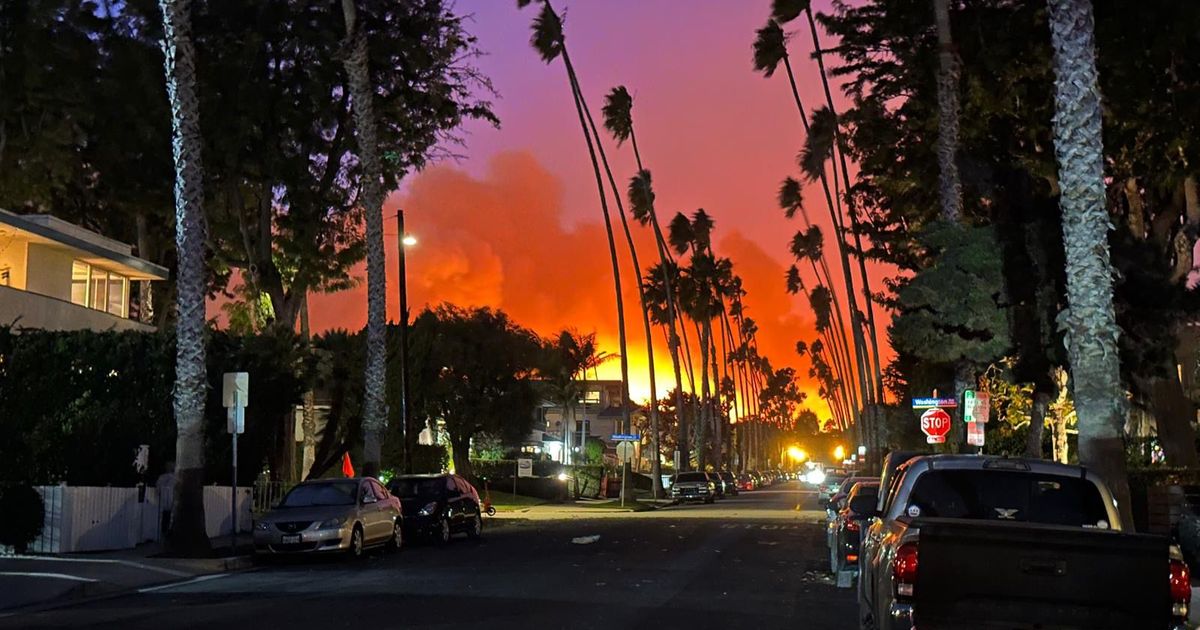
(815, 477)
(429, 509)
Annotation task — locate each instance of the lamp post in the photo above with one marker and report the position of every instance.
(410, 437)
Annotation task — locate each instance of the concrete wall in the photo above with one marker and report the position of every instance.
(30, 310)
(12, 256)
(49, 271)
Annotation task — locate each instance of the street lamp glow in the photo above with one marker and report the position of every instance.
(797, 453)
(839, 453)
(409, 240)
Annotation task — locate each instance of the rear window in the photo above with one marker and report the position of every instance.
(419, 487)
(691, 476)
(1008, 496)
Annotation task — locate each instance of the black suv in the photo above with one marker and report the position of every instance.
(438, 506)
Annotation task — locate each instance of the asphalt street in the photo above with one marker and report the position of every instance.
(752, 561)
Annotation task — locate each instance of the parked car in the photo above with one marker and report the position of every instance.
(833, 480)
(991, 542)
(438, 506)
(331, 515)
(846, 535)
(745, 481)
(730, 482)
(759, 481)
(834, 506)
(718, 485)
(693, 486)
(888, 475)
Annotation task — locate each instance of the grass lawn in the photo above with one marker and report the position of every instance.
(506, 502)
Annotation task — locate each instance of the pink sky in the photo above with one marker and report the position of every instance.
(516, 222)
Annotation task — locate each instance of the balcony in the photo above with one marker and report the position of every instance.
(24, 309)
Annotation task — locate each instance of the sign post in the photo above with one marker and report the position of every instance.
(976, 407)
(935, 424)
(624, 452)
(235, 394)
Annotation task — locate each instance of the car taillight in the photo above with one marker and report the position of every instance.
(1181, 588)
(851, 526)
(904, 569)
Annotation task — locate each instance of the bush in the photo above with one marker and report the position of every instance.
(24, 514)
(429, 458)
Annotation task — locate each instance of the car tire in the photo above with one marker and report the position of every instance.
(357, 547)
(396, 542)
(476, 530)
(491, 511)
(444, 532)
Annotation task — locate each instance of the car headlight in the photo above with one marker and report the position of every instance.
(262, 526)
(429, 509)
(332, 523)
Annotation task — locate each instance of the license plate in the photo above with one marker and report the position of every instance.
(288, 540)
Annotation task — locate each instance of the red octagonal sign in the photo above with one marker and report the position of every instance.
(935, 423)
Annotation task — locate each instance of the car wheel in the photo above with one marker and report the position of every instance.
(476, 530)
(443, 532)
(397, 539)
(491, 511)
(355, 551)
(865, 622)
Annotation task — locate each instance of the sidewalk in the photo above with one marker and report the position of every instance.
(36, 581)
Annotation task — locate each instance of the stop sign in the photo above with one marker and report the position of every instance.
(935, 424)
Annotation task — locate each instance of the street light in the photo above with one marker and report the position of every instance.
(797, 453)
(406, 240)
(839, 453)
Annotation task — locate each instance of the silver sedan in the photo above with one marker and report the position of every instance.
(331, 515)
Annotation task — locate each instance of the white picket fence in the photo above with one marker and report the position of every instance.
(106, 518)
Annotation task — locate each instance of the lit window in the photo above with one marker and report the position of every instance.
(118, 293)
(79, 282)
(98, 289)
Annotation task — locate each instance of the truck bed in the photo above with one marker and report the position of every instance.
(990, 574)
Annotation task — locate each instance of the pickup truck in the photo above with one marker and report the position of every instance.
(968, 541)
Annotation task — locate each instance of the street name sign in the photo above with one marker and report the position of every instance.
(625, 437)
(931, 403)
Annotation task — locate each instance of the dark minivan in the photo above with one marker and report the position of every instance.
(438, 506)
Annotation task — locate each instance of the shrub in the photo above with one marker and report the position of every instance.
(23, 513)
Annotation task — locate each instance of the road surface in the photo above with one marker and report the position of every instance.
(752, 561)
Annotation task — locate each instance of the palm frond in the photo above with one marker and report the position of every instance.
(770, 47)
(641, 197)
(818, 146)
(618, 113)
(791, 197)
(784, 11)
(821, 301)
(794, 282)
(680, 233)
(547, 38)
(521, 4)
(702, 226)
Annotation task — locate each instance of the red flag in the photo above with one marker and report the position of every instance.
(347, 467)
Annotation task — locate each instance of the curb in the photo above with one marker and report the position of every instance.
(90, 592)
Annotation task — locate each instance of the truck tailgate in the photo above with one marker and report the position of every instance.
(987, 574)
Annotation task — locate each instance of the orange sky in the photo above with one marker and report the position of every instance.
(515, 223)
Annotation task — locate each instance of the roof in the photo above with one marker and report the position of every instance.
(96, 249)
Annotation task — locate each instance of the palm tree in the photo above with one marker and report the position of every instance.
(1090, 321)
(770, 50)
(549, 41)
(366, 131)
(618, 118)
(187, 533)
(949, 186)
(656, 462)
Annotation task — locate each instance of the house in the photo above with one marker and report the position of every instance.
(55, 275)
(598, 413)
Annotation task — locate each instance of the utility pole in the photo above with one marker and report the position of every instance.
(402, 241)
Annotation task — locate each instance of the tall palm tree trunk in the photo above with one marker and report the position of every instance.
(656, 461)
(1090, 320)
(309, 418)
(869, 306)
(187, 533)
(366, 130)
(612, 246)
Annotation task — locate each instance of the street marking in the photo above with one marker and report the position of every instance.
(762, 526)
(202, 578)
(56, 576)
(128, 563)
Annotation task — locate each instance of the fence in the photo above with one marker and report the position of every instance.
(268, 494)
(106, 518)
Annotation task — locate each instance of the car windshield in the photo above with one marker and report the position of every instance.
(1008, 496)
(690, 476)
(422, 487)
(317, 494)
